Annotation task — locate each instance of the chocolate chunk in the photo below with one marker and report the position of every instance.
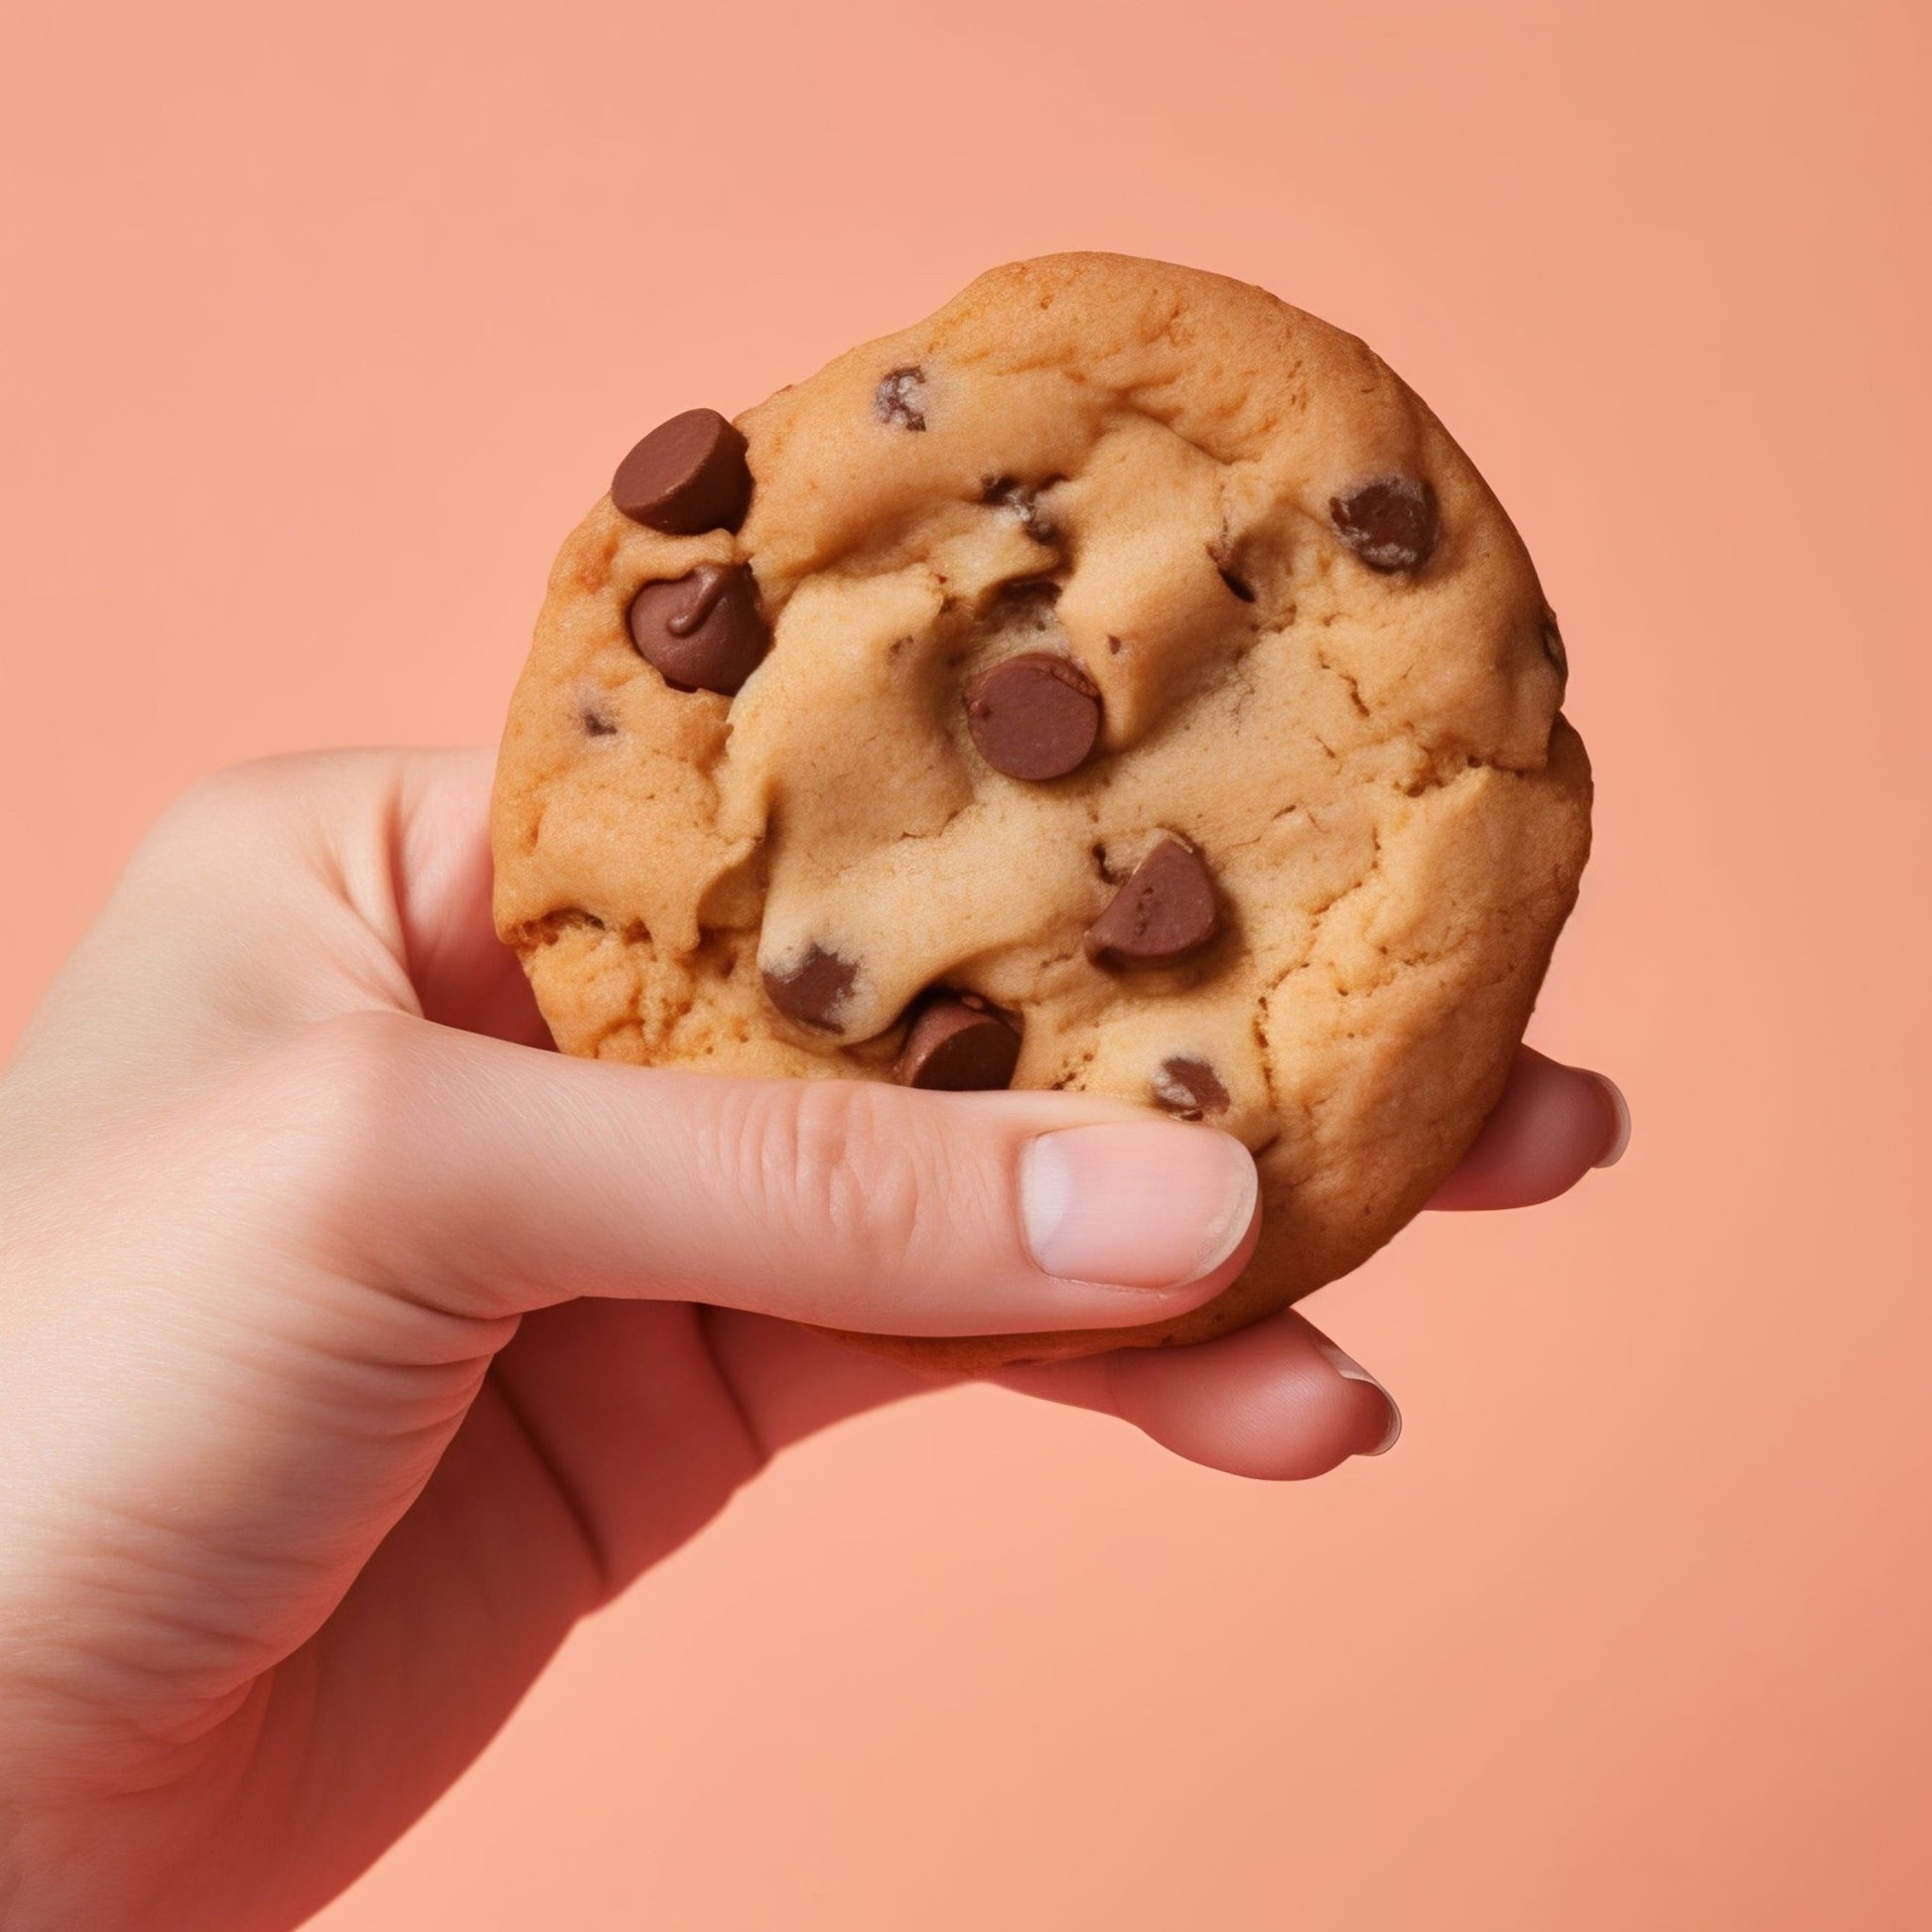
(958, 1044)
(1023, 500)
(900, 399)
(1390, 524)
(813, 991)
(1552, 645)
(1165, 911)
(686, 476)
(1188, 1087)
(704, 632)
(1036, 716)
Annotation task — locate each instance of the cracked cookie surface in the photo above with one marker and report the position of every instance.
(1120, 659)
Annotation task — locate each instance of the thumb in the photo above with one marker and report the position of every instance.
(492, 1179)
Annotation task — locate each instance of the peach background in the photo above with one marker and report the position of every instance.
(325, 323)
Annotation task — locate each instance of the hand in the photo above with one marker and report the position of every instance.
(314, 1455)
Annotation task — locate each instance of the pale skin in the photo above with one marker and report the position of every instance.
(352, 1347)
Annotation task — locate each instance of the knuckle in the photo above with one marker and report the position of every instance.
(221, 799)
(206, 816)
(230, 808)
(822, 1161)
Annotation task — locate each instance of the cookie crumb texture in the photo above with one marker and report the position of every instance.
(1121, 659)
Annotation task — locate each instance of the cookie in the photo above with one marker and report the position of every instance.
(1117, 683)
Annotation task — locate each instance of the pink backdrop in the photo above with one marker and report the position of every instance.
(327, 323)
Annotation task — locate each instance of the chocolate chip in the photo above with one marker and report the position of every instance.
(704, 632)
(812, 991)
(958, 1044)
(1390, 524)
(1165, 911)
(1036, 716)
(596, 725)
(1552, 645)
(900, 399)
(1023, 500)
(1188, 1087)
(688, 475)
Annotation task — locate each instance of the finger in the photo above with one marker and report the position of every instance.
(492, 1179)
(1553, 1124)
(377, 860)
(1279, 1401)
(464, 975)
(790, 1382)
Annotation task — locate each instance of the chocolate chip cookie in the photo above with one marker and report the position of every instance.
(1118, 683)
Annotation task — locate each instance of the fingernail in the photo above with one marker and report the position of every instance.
(1350, 1370)
(1614, 1152)
(1135, 1204)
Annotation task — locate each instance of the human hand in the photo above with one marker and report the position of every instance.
(315, 1453)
